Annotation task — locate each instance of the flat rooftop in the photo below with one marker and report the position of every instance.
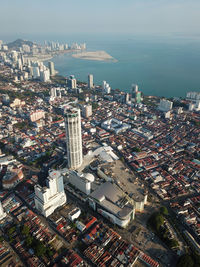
(126, 179)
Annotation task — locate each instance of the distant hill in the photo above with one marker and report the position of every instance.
(18, 43)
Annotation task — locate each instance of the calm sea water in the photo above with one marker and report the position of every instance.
(164, 66)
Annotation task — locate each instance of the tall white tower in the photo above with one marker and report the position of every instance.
(90, 81)
(73, 137)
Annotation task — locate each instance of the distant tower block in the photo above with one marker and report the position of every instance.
(73, 137)
(51, 68)
(134, 88)
(90, 81)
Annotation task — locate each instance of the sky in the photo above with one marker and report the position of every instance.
(44, 17)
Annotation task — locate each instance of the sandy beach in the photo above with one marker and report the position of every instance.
(96, 55)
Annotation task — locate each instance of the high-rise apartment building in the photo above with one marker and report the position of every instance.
(90, 81)
(73, 137)
(51, 68)
(71, 82)
(165, 105)
(52, 196)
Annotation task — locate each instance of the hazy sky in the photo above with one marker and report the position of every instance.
(99, 16)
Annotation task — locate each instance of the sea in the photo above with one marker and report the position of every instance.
(161, 65)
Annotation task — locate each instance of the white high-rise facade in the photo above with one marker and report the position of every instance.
(90, 81)
(73, 137)
(49, 198)
(2, 213)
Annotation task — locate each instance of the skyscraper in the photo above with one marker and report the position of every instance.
(90, 81)
(51, 68)
(73, 137)
(136, 96)
(134, 90)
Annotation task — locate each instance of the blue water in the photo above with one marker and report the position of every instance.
(164, 66)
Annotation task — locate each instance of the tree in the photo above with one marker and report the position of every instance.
(156, 220)
(11, 230)
(29, 240)
(49, 252)
(164, 210)
(136, 149)
(40, 249)
(159, 220)
(25, 230)
(94, 105)
(173, 243)
(185, 261)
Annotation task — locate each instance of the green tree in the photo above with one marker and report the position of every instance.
(25, 230)
(164, 210)
(11, 230)
(159, 220)
(136, 149)
(94, 105)
(29, 240)
(156, 220)
(185, 261)
(49, 252)
(40, 249)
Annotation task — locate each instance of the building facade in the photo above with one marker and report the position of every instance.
(90, 81)
(73, 137)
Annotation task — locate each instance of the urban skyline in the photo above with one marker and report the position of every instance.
(91, 173)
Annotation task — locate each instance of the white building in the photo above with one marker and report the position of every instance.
(193, 95)
(87, 111)
(194, 106)
(90, 81)
(49, 198)
(2, 213)
(106, 87)
(167, 115)
(73, 137)
(45, 75)
(165, 105)
(36, 72)
(53, 92)
(74, 214)
(81, 181)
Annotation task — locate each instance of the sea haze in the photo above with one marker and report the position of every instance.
(163, 66)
